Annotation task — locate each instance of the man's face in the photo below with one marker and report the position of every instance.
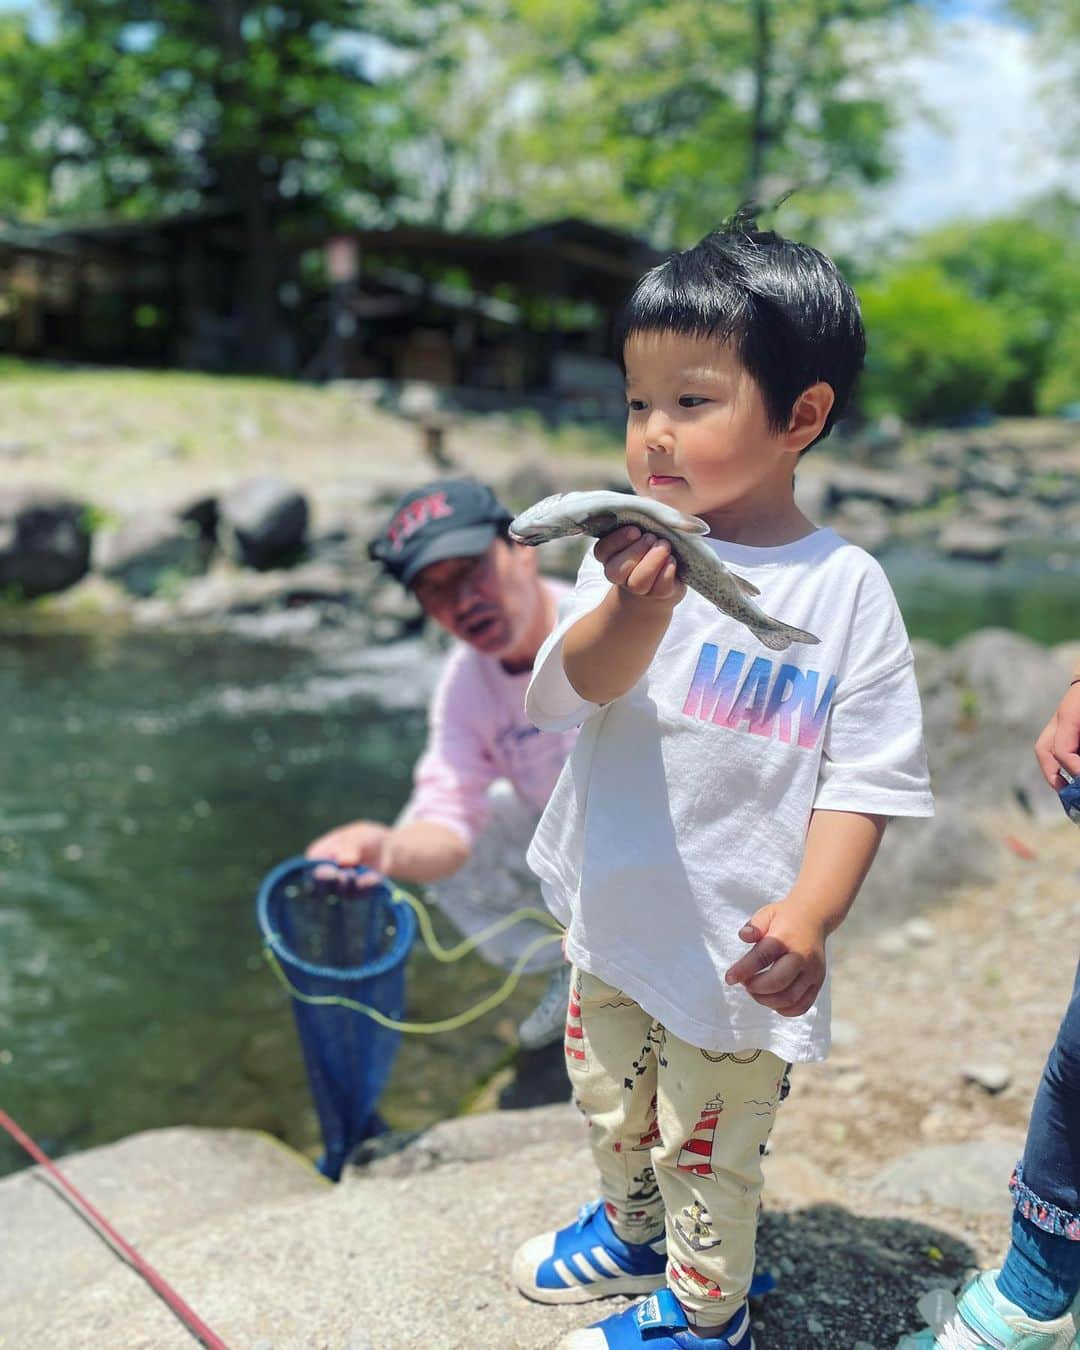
(487, 601)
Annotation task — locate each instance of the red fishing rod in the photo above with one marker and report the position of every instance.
(104, 1229)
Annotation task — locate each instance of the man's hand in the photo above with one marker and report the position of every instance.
(1058, 746)
(363, 843)
(785, 968)
(640, 564)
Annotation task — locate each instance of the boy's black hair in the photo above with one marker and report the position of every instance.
(791, 317)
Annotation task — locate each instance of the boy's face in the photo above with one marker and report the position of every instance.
(697, 434)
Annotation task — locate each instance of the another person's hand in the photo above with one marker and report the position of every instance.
(785, 968)
(1058, 747)
(362, 843)
(640, 564)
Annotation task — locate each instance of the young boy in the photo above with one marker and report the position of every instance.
(723, 801)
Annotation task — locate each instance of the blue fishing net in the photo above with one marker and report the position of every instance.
(330, 944)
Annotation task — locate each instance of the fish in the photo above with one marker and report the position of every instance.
(598, 513)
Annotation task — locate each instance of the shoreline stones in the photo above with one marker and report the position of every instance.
(44, 541)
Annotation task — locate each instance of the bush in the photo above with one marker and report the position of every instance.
(1060, 384)
(1030, 273)
(934, 351)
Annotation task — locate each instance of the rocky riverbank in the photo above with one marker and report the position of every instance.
(198, 502)
(888, 1168)
(886, 1177)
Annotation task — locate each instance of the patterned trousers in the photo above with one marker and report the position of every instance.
(677, 1134)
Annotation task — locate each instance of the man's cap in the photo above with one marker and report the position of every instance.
(450, 518)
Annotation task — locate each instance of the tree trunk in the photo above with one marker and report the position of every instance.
(244, 188)
(760, 131)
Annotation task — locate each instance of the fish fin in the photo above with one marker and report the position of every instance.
(782, 636)
(747, 587)
(690, 524)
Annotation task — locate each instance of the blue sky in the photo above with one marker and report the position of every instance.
(994, 145)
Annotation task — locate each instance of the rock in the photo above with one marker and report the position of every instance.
(263, 522)
(811, 493)
(994, 1078)
(918, 863)
(897, 491)
(44, 541)
(203, 512)
(1013, 679)
(227, 593)
(146, 552)
(491, 1134)
(920, 932)
(992, 475)
(973, 539)
(147, 1199)
(972, 1178)
(892, 943)
(865, 523)
(529, 483)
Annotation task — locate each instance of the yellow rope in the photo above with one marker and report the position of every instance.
(440, 953)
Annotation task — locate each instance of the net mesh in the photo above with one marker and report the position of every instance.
(333, 945)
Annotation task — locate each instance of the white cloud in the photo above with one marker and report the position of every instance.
(996, 145)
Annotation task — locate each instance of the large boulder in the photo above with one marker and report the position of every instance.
(263, 522)
(919, 863)
(896, 491)
(44, 541)
(147, 552)
(984, 703)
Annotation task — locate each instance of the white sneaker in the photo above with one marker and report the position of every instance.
(547, 1021)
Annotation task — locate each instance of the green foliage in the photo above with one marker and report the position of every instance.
(97, 518)
(1030, 274)
(661, 117)
(159, 105)
(934, 350)
(1059, 385)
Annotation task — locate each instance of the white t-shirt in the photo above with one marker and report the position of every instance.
(685, 803)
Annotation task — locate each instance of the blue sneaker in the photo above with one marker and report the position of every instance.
(985, 1320)
(587, 1260)
(658, 1323)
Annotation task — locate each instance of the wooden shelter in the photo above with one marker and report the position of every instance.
(523, 314)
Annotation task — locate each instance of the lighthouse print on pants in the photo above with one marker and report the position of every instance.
(574, 1042)
(696, 1153)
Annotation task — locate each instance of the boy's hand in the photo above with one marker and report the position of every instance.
(640, 564)
(1058, 746)
(785, 968)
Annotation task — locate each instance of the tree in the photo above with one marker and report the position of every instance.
(153, 106)
(1030, 273)
(934, 351)
(664, 115)
(1056, 26)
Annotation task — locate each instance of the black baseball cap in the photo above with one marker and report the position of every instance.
(450, 518)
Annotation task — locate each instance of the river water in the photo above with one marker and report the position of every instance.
(149, 782)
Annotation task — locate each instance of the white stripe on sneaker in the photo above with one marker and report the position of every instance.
(569, 1277)
(579, 1263)
(604, 1262)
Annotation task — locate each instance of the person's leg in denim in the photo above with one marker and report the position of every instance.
(1041, 1273)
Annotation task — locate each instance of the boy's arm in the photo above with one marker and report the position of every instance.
(609, 649)
(785, 968)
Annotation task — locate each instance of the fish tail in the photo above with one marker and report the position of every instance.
(777, 636)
